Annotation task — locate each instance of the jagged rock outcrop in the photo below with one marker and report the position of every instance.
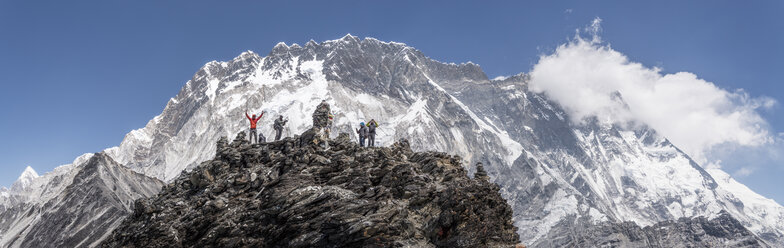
(298, 192)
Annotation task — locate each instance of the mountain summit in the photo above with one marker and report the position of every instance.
(310, 192)
(24, 180)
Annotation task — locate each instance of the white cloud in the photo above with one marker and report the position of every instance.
(715, 164)
(742, 172)
(568, 11)
(594, 29)
(696, 115)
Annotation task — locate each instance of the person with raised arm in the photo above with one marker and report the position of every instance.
(253, 120)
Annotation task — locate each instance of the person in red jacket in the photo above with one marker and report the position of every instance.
(253, 121)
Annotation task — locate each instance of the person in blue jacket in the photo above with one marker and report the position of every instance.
(363, 133)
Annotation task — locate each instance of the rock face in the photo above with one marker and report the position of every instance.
(722, 231)
(97, 199)
(295, 193)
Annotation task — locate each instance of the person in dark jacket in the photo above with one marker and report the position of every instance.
(372, 125)
(262, 139)
(253, 120)
(278, 126)
(363, 133)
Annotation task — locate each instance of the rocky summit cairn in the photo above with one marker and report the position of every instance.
(481, 173)
(296, 193)
(321, 115)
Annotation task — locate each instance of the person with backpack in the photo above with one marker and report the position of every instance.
(363, 133)
(372, 125)
(278, 126)
(253, 120)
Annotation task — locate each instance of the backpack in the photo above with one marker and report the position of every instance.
(363, 131)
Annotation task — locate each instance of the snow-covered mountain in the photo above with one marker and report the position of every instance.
(24, 180)
(361, 80)
(34, 189)
(76, 205)
(18, 190)
(583, 174)
(557, 176)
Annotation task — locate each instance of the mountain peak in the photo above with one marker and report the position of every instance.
(348, 36)
(28, 173)
(281, 45)
(247, 53)
(24, 180)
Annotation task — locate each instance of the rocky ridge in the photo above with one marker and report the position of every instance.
(308, 191)
(98, 197)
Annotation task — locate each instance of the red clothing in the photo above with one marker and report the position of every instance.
(253, 121)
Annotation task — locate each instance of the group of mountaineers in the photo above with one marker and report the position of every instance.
(322, 118)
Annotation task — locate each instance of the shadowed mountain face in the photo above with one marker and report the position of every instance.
(310, 192)
(94, 202)
(555, 174)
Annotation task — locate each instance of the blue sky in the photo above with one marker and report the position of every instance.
(76, 77)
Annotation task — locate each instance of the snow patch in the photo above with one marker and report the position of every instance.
(500, 78)
(560, 207)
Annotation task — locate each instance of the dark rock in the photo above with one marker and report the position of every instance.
(308, 196)
(321, 115)
(481, 173)
(721, 231)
